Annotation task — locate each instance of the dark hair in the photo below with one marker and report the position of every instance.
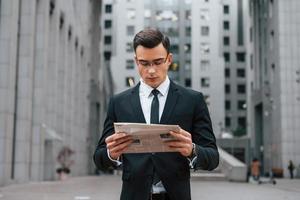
(150, 38)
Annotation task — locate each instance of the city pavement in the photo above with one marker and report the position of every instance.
(108, 188)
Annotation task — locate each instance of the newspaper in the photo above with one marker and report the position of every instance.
(147, 137)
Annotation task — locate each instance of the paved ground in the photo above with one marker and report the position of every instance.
(108, 188)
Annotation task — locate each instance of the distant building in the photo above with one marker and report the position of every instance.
(234, 43)
(275, 84)
(50, 90)
(194, 30)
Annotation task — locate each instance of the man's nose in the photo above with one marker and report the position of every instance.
(151, 69)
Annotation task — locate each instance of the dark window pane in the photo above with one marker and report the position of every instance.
(107, 55)
(107, 39)
(226, 9)
(241, 89)
(240, 56)
(227, 105)
(240, 73)
(226, 41)
(226, 25)
(227, 57)
(188, 82)
(227, 122)
(108, 8)
(227, 72)
(227, 88)
(242, 122)
(107, 23)
(241, 105)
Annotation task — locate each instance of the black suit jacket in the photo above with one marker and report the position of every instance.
(184, 107)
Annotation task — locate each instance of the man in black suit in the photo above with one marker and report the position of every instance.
(156, 99)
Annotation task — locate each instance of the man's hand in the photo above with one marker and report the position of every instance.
(117, 144)
(183, 142)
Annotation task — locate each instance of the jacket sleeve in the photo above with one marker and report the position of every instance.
(101, 158)
(203, 137)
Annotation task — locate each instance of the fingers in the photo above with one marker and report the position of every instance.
(182, 135)
(182, 142)
(117, 144)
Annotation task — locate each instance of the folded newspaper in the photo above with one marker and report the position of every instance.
(147, 137)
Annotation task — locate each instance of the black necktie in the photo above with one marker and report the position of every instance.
(154, 119)
(155, 108)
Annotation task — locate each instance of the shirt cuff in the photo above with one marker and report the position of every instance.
(117, 162)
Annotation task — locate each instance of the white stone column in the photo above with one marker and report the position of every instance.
(39, 93)
(25, 69)
(8, 58)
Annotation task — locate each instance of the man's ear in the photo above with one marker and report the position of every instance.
(170, 59)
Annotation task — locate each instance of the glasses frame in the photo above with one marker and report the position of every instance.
(151, 63)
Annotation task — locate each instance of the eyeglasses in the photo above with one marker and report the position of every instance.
(156, 62)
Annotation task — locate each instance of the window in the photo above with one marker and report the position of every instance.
(188, 31)
(241, 89)
(129, 64)
(187, 48)
(226, 41)
(227, 122)
(204, 15)
(226, 25)
(107, 39)
(242, 122)
(107, 23)
(204, 30)
(240, 57)
(129, 47)
(204, 48)
(188, 82)
(188, 15)
(187, 65)
(227, 88)
(108, 8)
(129, 81)
(227, 105)
(131, 13)
(227, 72)
(240, 73)
(205, 82)
(107, 55)
(226, 9)
(241, 105)
(204, 64)
(226, 57)
(130, 30)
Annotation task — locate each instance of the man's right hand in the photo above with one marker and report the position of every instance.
(117, 144)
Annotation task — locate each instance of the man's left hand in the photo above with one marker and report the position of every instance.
(182, 142)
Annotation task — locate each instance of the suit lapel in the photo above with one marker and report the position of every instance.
(171, 101)
(136, 105)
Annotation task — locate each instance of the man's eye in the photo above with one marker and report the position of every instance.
(158, 62)
(144, 63)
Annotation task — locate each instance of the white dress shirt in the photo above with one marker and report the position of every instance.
(146, 97)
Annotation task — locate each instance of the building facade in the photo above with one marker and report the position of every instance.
(49, 86)
(207, 65)
(275, 83)
(234, 43)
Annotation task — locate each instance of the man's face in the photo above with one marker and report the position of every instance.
(153, 64)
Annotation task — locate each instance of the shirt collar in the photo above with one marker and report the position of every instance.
(162, 88)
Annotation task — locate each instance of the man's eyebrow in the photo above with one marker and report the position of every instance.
(151, 60)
